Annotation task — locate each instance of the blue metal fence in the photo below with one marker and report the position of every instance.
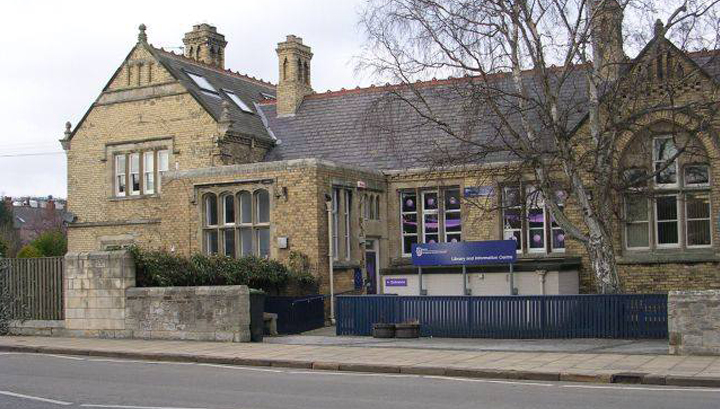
(622, 316)
(295, 314)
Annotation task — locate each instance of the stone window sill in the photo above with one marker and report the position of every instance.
(135, 197)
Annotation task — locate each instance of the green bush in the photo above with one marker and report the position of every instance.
(158, 268)
(3, 248)
(29, 251)
(51, 243)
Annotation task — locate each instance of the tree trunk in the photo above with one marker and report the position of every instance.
(602, 261)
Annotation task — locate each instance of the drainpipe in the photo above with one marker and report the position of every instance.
(329, 206)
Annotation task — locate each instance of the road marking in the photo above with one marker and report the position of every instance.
(375, 375)
(641, 388)
(449, 378)
(28, 397)
(90, 405)
(243, 368)
(72, 358)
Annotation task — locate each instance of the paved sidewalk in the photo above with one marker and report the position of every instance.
(546, 366)
(589, 346)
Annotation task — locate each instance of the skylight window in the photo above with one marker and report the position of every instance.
(267, 96)
(239, 102)
(201, 82)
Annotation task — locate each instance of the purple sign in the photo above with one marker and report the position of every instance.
(470, 253)
(396, 282)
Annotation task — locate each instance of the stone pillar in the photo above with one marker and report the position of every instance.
(694, 322)
(94, 286)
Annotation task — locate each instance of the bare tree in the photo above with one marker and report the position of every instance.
(542, 90)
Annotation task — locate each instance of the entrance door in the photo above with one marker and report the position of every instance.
(371, 265)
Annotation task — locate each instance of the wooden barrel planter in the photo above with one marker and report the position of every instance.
(382, 330)
(407, 330)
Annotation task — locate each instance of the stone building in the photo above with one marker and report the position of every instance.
(180, 153)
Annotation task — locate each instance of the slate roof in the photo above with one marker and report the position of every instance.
(372, 128)
(248, 89)
(343, 126)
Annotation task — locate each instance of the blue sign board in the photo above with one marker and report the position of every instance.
(467, 253)
(396, 282)
(479, 191)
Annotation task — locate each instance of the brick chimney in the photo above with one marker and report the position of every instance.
(294, 79)
(206, 45)
(607, 38)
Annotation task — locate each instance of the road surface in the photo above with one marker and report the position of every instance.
(50, 381)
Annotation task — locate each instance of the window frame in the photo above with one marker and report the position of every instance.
(254, 226)
(117, 176)
(655, 161)
(687, 219)
(648, 222)
(420, 234)
(523, 208)
(150, 174)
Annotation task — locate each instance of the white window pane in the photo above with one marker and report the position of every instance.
(201, 82)
(211, 241)
(135, 173)
(229, 242)
(229, 209)
(637, 235)
(663, 151)
(120, 178)
(263, 242)
(697, 175)
(262, 200)
(163, 161)
(211, 216)
(246, 240)
(697, 210)
(245, 207)
(239, 102)
(149, 172)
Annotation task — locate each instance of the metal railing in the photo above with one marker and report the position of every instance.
(295, 314)
(621, 316)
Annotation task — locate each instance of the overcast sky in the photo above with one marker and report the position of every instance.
(58, 55)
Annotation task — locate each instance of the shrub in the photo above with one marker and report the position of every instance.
(3, 248)
(158, 268)
(29, 251)
(52, 243)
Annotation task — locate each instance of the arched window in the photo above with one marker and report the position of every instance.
(262, 222)
(299, 70)
(285, 69)
(210, 210)
(377, 207)
(667, 203)
(306, 73)
(197, 53)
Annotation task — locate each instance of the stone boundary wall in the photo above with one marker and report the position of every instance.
(38, 328)
(694, 322)
(95, 285)
(217, 313)
(101, 301)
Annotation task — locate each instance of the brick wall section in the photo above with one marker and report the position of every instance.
(189, 313)
(95, 285)
(694, 322)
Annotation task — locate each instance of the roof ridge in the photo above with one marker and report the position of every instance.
(427, 83)
(219, 70)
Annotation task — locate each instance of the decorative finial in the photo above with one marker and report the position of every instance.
(142, 36)
(659, 28)
(68, 129)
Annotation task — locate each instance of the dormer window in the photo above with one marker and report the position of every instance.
(202, 83)
(239, 102)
